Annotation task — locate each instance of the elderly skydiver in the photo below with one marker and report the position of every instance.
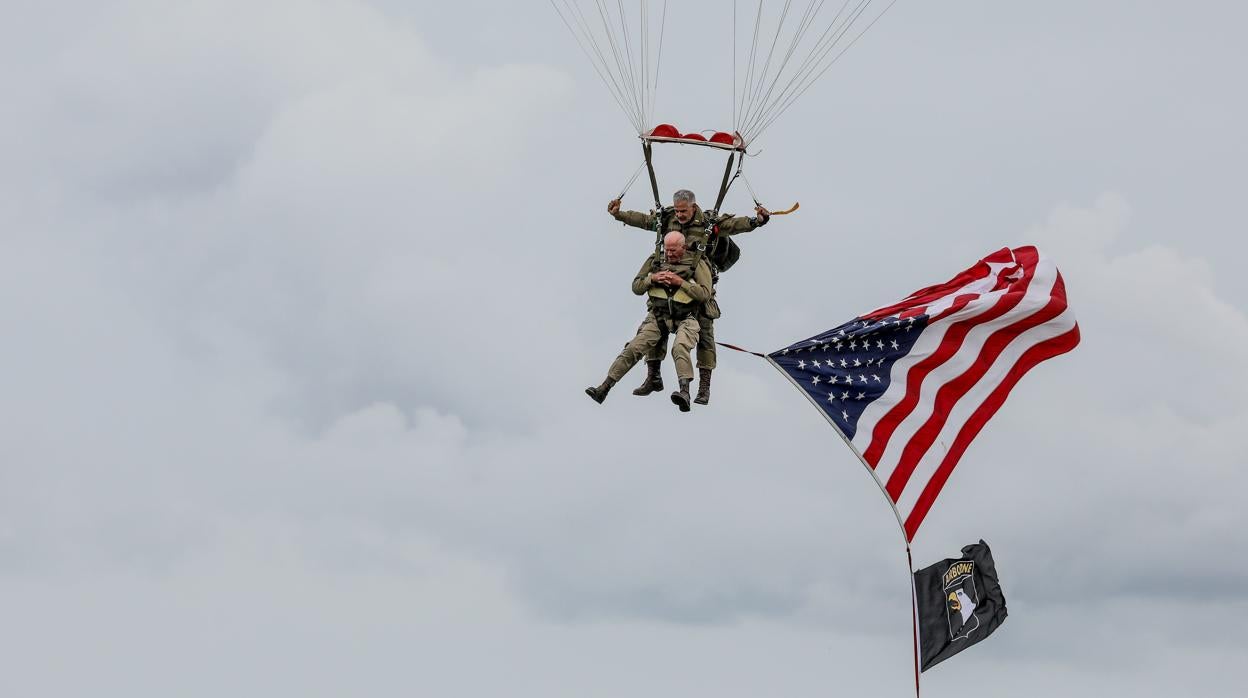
(676, 289)
(686, 217)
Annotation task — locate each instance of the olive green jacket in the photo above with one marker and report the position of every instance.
(695, 230)
(695, 290)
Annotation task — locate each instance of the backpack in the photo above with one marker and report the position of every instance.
(722, 251)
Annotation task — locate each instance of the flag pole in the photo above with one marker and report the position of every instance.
(914, 618)
(914, 624)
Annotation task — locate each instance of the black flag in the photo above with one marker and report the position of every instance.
(960, 603)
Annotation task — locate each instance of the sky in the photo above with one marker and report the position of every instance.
(300, 300)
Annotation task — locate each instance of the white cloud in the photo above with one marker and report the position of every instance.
(299, 315)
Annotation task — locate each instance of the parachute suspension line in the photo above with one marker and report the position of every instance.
(818, 42)
(659, 60)
(825, 68)
(750, 189)
(754, 196)
(627, 54)
(613, 88)
(643, 13)
(619, 46)
(829, 37)
(650, 83)
(629, 184)
(630, 109)
(604, 14)
(752, 83)
(771, 52)
(645, 59)
(803, 26)
(803, 78)
(749, 69)
(618, 75)
(770, 87)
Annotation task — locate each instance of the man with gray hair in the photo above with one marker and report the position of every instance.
(702, 232)
(676, 288)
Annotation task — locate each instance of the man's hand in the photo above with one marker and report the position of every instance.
(667, 278)
(763, 214)
(613, 206)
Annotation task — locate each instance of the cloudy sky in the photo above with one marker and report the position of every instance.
(300, 298)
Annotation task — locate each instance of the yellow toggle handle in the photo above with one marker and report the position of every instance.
(788, 210)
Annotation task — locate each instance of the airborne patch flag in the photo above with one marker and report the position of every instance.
(959, 603)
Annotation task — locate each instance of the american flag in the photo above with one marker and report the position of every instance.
(909, 386)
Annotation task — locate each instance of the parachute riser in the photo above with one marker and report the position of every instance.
(728, 179)
(658, 205)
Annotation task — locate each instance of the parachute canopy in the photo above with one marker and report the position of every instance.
(787, 53)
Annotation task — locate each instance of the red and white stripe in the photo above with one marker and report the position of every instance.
(986, 328)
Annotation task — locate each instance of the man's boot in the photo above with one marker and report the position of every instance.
(681, 397)
(704, 386)
(600, 393)
(653, 382)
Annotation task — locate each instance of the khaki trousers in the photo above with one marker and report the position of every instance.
(706, 344)
(648, 338)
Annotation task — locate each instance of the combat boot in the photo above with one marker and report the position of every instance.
(600, 393)
(681, 397)
(653, 382)
(704, 386)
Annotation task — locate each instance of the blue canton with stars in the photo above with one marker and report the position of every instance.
(844, 369)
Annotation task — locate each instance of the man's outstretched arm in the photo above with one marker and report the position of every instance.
(636, 219)
(731, 225)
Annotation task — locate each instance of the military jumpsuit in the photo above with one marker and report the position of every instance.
(669, 311)
(696, 235)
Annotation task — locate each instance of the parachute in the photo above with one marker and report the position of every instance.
(625, 49)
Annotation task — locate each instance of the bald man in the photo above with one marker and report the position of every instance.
(675, 287)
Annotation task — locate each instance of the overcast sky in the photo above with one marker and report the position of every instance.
(300, 298)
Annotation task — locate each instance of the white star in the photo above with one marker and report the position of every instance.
(853, 344)
(844, 415)
(895, 344)
(879, 343)
(831, 397)
(815, 381)
(838, 346)
(785, 352)
(857, 362)
(832, 380)
(823, 347)
(875, 378)
(845, 395)
(815, 363)
(801, 365)
(861, 396)
(844, 363)
(862, 378)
